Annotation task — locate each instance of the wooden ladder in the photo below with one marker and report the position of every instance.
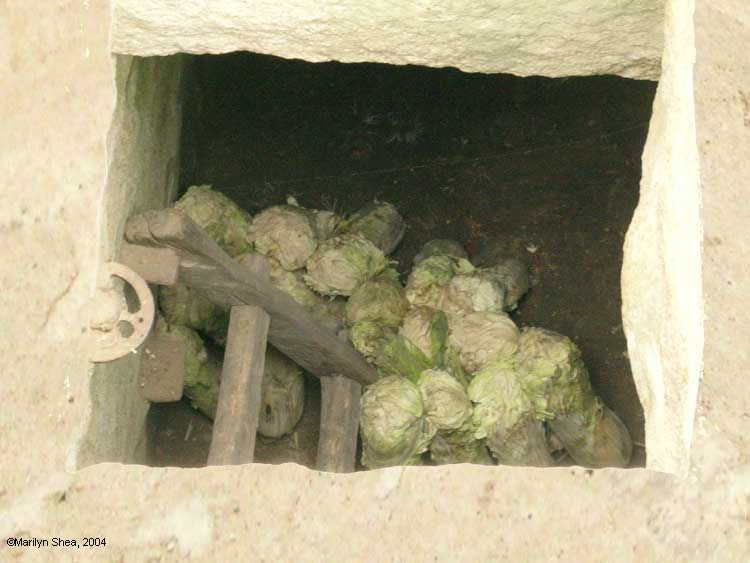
(166, 247)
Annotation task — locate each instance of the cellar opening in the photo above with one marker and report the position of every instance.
(547, 169)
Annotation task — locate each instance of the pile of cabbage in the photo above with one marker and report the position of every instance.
(459, 381)
(315, 256)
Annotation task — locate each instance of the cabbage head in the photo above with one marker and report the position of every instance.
(459, 446)
(202, 373)
(380, 299)
(380, 223)
(369, 339)
(504, 417)
(552, 373)
(427, 329)
(482, 339)
(474, 292)
(219, 217)
(446, 404)
(513, 276)
(499, 400)
(451, 362)
(282, 395)
(401, 357)
(183, 305)
(286, 233)
(425, 284)
(594, 437)
(342, 263)
(392, 423)
(525, 444)
(440, 246)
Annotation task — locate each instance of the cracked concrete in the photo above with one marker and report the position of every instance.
(58, 298)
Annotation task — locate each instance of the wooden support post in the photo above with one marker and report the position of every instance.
(339, 424)
(162, 368)
(238, 407)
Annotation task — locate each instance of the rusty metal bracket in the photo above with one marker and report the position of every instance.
(117, 330)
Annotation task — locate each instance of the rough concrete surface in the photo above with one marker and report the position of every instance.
(57, 88)
(534, 37)
(722, 99)
(662, 308)
(57, 81)
(142, 173)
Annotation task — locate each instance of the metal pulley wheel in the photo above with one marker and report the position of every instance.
(117, 330)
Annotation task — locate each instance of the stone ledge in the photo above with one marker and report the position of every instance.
(534, 37)
(289, 513)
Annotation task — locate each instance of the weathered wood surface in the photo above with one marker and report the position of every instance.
(162, 374)
(238, 407)
(155, 265)
(310, 340)
(339, 424)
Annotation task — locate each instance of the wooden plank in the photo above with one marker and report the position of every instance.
(162, 374)
(159, 265)
(238, 407)
(302, 336)
(308, 339)
(339, 424)
(173, 227)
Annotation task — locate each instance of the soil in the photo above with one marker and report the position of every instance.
(549, 167)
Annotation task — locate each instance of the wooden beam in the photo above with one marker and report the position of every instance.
(174, 228)
(153, 264)
(339, 424)
(238, 407)
(310, 340)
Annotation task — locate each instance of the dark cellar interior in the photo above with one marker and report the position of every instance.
(549, 165)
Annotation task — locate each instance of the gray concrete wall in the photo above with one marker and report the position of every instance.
(58, 85)
(142, 173)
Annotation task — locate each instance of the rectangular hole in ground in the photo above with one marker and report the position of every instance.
(550, 165)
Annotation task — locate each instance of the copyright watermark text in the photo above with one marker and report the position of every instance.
(55, 542)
